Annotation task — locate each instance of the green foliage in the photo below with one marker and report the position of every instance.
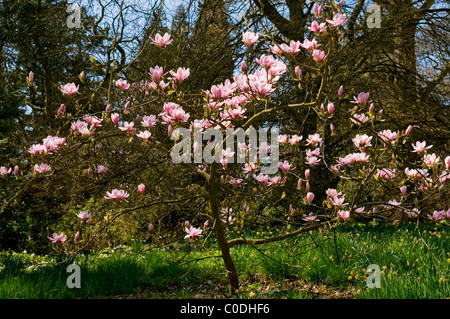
(413, 261)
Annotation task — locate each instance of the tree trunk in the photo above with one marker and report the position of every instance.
(220, 233)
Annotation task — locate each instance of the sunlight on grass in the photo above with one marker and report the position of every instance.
(414, 263)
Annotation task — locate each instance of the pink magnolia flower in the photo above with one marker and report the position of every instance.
(438, 215)
(386, 173)
(310, 217)
(162, 41)
(225, 155)
(307, 186)
(4, 171)
(93, 120)
(284, 166)
(141, 189)
(312, 160)
(408, 130)
(84, 215)
(413, 212)
(291, 209)
(243, 66)
(344, 214)
(295, 139)
(232, 113)
(37, 149)
(359, 119)
(266, 61)
(30, 78)
(431, 159)
(307, 174)
(332, 129)
(16, 170)
(263, 179)
(101, 169)
(52, 143)
(76, 237)
(403, 190)
(149, 121)
(246, 208)
(193, 232)
(129, 127)
(353, 158)
(115, 118)
(117, 195)
(262, 88)
(42, 168)
(293, 47)
(276, 180)
(341, 91)
(162, 85)
(392, 204)
(310, 45)
(276, 69)
(330, 108)
(181, 74)
(362, 99)
(121, 84)
(314, 140)
(69, 89)
(173, 112)
(276, 50)
(249, 38)
(250, 168)
(362, 141)
(283, 139)
(298, 72)
(338, 201)
(60, 111)
(317, 9)
(156, 73)
(309, 197)
(388, 136)
(318, 28)
(150, 227)
(318, 55)
(447, 162)
(421, 147)
(338, 20)
(144, 135)
(264, 148)
(58, 239)
(411, 173)
(332, 193)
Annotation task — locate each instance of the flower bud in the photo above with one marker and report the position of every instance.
(141, 189)
(330, 108)
(310, 197)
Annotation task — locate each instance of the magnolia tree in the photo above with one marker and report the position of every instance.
(157, 152)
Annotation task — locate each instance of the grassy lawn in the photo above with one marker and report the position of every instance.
(414, 263)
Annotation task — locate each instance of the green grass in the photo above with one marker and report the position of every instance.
(414, 263)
